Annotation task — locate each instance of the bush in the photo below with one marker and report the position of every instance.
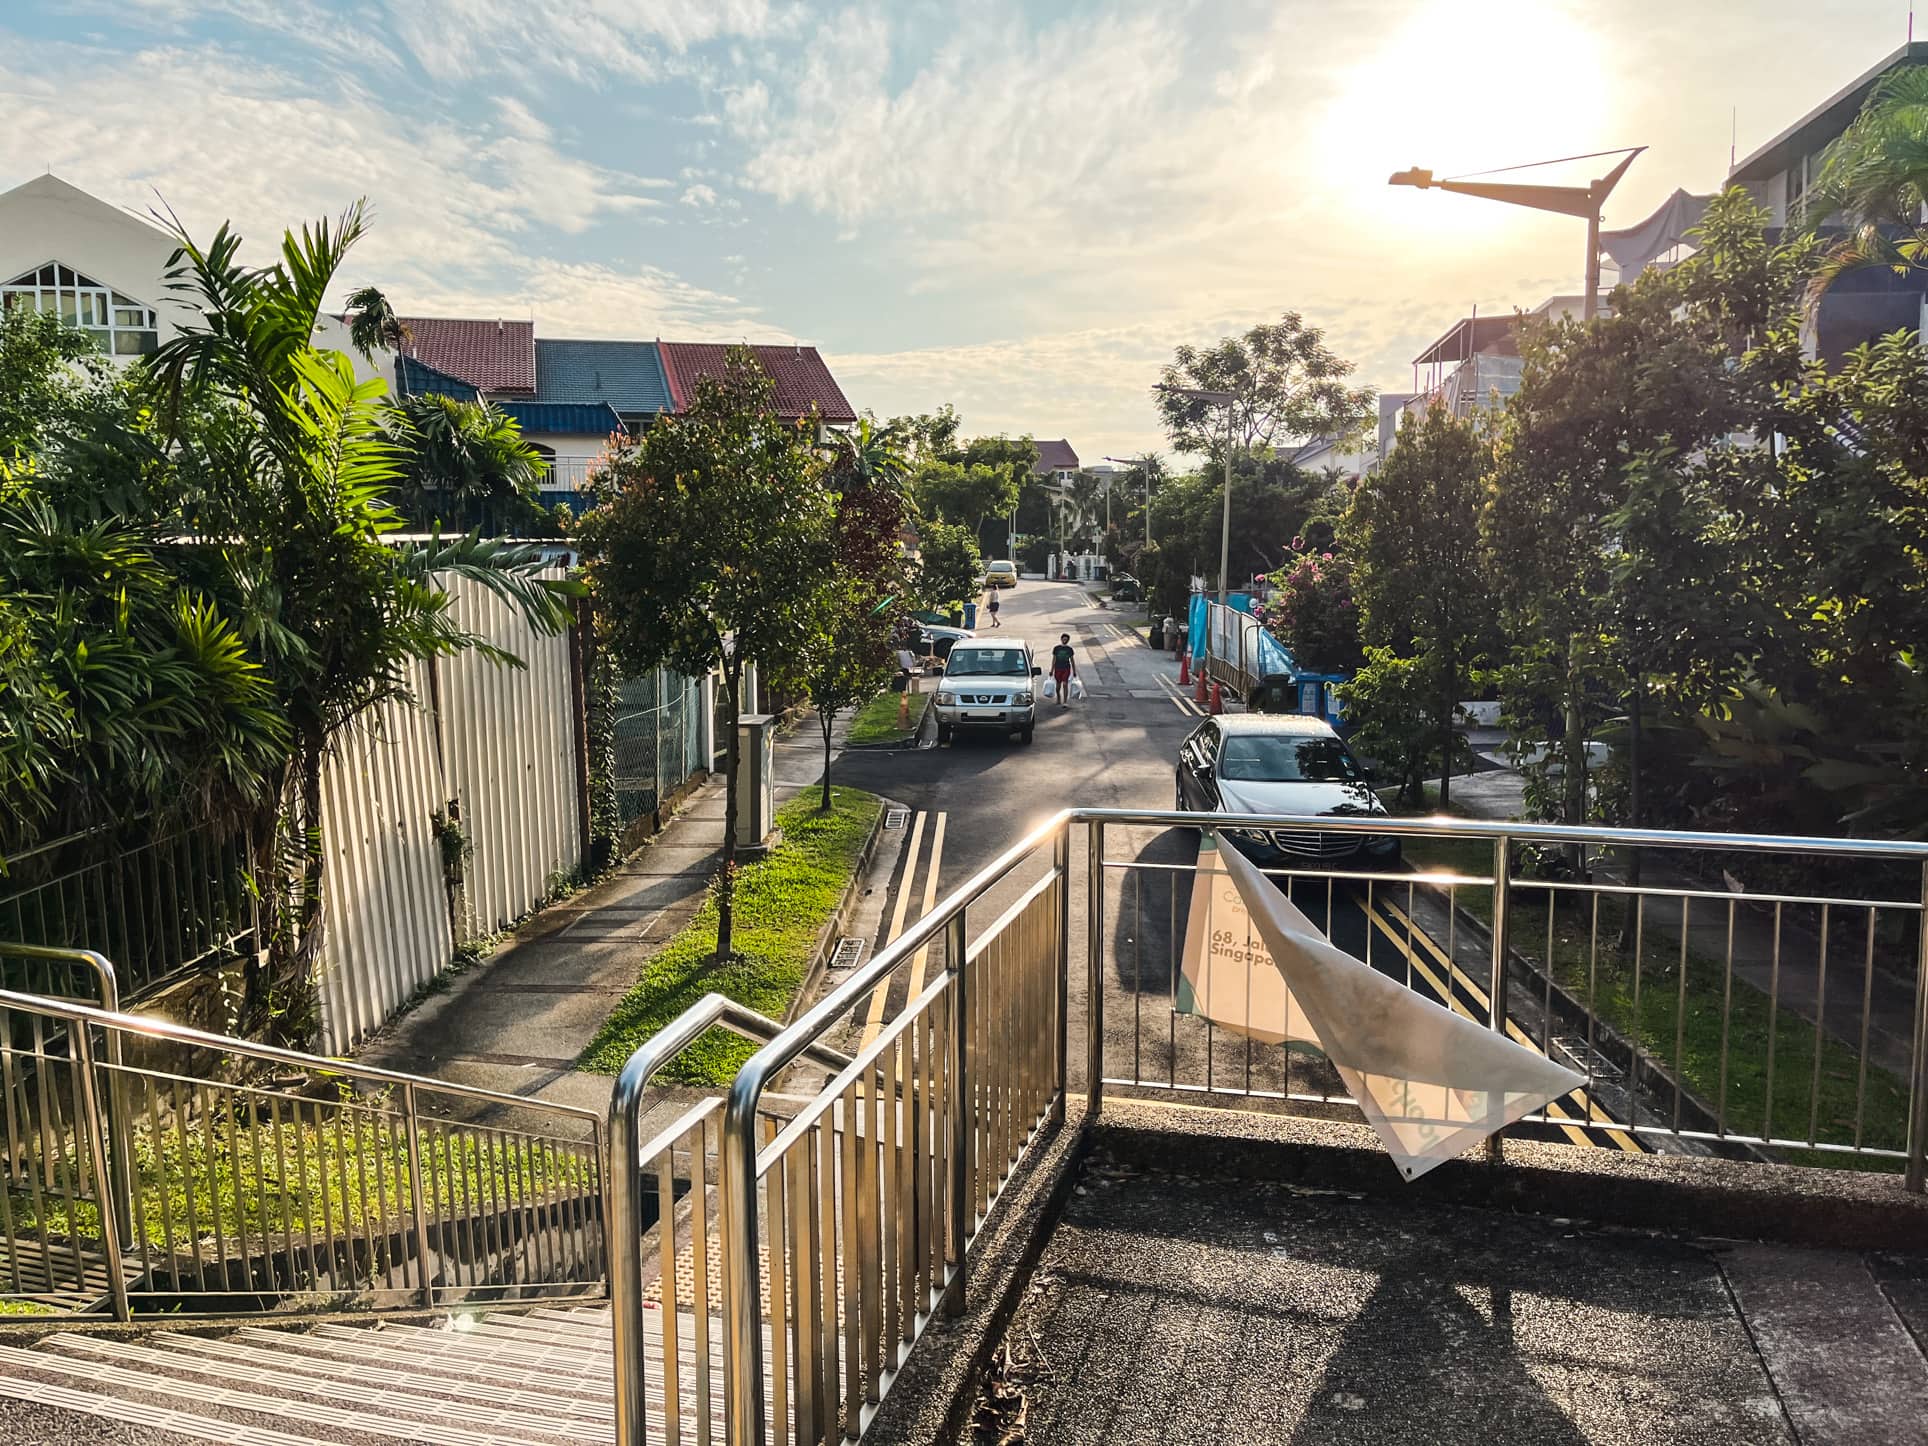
(1314, 612)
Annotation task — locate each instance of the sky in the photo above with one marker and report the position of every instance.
(1018, 208)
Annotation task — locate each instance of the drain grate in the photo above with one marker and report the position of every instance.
(896, 817)
(847, 953)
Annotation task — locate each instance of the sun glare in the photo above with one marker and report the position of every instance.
(1459, 87)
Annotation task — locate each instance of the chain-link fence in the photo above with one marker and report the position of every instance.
(658, 740)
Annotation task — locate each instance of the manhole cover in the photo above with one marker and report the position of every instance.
(896, 817)
(847, 953)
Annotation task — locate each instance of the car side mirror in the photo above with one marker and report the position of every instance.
(1036, 671)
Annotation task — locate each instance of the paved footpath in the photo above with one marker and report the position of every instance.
(517, 1021)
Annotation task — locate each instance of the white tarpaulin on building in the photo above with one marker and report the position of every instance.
(1433, 1083)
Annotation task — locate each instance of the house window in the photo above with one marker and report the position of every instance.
(122, 325)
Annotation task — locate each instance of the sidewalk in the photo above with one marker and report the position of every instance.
(517, 1021)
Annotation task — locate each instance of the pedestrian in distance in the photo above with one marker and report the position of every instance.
(1064, 667)
(992, 604)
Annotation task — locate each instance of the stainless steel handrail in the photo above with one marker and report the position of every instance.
(275, 1054)
(624, 1180)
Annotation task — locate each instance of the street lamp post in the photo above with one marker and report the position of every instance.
(1225, 400)
(1582, 201)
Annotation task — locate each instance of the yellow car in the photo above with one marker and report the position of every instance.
(1001, 574)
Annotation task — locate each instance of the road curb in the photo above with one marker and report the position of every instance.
(839, 920)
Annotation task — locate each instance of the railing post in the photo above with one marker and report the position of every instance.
(1095, 967)
(742, 1289)
(962, 1112)
(1061, 861)
(412, 1124)
(622, 1247)
(1917, 1172)
(1496, 983)
(90, 1121)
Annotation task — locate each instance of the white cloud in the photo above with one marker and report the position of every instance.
(584, 40)
(699, 195)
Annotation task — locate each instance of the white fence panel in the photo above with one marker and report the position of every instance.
(500, 742)
(508, 738)
(387, 928)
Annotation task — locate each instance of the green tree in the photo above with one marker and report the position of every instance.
(1286, 384)
(1413, 530)
(708, 549)
(1315, 613)
(462, 464)
(373, 325)
(295, 471)
(1873, 185)
(949, 565)
(865, 595)
(965, 494)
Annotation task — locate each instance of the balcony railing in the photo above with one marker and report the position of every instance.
(1705, 1019)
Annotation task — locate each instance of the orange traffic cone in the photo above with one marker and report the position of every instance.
(1199, 695)
(1184, 668)
(1218, 699)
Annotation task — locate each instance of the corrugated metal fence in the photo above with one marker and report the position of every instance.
(493, 746)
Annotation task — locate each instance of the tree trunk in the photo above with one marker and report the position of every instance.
(1574, 784)
(1446, 703)
(726, 874)
(826, 720)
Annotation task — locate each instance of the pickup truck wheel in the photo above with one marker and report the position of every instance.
(1026, 732)
(943, 734)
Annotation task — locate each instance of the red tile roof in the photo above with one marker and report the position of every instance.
(803, 380)
(1055, 456)
(495, 356)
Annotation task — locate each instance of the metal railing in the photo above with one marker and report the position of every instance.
(159, 905)
(146, 1166)
(1704, 1015)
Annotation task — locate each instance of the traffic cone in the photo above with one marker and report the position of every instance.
(1218, 699)
(1184, 668)
(1199, 695)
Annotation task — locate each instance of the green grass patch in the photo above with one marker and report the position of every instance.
(876, 721)
(25, 1307)
(245, 1169)
(782, 902)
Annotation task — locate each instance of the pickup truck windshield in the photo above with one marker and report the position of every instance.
(987, 663)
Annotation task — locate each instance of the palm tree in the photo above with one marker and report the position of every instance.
(1874, 184)
(462, 462)
(373, 325)
(299, 513)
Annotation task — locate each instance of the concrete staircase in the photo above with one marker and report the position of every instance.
(505, 1379)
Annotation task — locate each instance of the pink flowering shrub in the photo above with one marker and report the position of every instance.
(1314, 614)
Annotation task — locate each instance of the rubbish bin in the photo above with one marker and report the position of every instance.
(1157, 638)
(970, 615)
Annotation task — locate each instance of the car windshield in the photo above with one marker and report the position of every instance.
(1283, 758)
(988, 663)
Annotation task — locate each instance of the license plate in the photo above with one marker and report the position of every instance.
(986, 717)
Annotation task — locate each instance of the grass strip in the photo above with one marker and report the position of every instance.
(1682, 1030)
(876, 721)
(782, 904)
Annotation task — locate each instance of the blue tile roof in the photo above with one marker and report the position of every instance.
(418, 378)
(595, 419)
(627, 375)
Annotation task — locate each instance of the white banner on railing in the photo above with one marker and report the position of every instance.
(1432, 1083)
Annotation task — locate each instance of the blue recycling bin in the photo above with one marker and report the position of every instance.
(970, 615)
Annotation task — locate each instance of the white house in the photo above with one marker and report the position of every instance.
(104, 268)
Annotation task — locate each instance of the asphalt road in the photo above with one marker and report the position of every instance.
(971, 800)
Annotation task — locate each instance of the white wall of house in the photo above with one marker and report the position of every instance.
(47, 219)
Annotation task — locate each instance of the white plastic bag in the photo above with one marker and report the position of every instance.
(1050, 689)
(1077, 690)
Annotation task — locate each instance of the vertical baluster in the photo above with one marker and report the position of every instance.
(1867, 1010)
(700, 1269)
(1634, 1034)
(191, 1172)
(1773, 1028)
(1820, 1013)
(889, 1133)
(1680, 1010)
(807, 1266)
(1726, 1018)
(307, 1195)
(870, 1233)
(776, 1248)
(672, 1309)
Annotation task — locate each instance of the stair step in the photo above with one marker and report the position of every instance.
(227, 1398)
(140, 1413)
(539, 1396)
(347, 1354)
(498, 1344)
(361, 1388)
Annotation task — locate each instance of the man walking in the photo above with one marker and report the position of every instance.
(1064, 667)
